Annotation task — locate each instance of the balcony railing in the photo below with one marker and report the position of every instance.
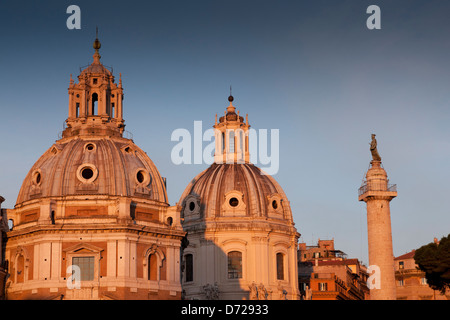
(377, 187)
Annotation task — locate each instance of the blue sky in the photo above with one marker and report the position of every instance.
(311, 69)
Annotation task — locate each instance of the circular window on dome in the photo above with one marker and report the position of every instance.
(87, 173)
(234, 202)
(142, 177)
(89, 146)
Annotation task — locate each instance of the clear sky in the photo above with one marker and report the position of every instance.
(311, 69)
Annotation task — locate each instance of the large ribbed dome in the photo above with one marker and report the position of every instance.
(225, 190)
(93, 165)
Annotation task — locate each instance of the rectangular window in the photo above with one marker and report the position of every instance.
(323, 286)
(401, 265)
(77, 109)
(234, 265)
(423, 281)
(401, 283)
(189, 268)
(112, 110)
(86, 265)
(280, 266)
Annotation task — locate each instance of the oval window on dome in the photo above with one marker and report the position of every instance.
(140, 177)
(192, 205)
(274, 204)
(37, 177)
(234, 202)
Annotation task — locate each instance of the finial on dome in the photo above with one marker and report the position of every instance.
(231, 108)
(230, 98)
(97, 45)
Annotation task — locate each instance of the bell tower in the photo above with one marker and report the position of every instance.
(95, 102)
(231, 136)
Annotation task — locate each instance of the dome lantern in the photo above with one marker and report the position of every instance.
(95, 102)
(231, 136)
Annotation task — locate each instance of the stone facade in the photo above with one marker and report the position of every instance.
(411, 282)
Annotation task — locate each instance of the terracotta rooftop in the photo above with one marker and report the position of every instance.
(409, 255)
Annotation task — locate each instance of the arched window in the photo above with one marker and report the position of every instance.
(94, 104)
(189, 268)
(241, 140)
(231, 141)
(234, 265)
(280, 266)
(223, 142)
(152, 267)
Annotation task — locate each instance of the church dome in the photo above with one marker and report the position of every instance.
(93, 157)
(93, 166)
(235, 190)
(232, 186)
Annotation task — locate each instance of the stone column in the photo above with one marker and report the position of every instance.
(377, 194)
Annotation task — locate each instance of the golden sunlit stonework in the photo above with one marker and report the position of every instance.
(94, 199)
(92, 219)
(240, 227)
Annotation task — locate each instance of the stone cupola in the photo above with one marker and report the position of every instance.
(95, 102)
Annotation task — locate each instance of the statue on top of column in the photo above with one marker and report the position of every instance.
(373, 149)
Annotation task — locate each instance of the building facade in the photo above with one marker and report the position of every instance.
(411, 282)
(92, 218)
(239, 225)
(326, 274)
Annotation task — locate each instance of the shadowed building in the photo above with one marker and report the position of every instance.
(3, 263)
(242, 239)
(92, 219)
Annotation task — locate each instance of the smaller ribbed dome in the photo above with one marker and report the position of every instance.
(96, 68)
(225, 190)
